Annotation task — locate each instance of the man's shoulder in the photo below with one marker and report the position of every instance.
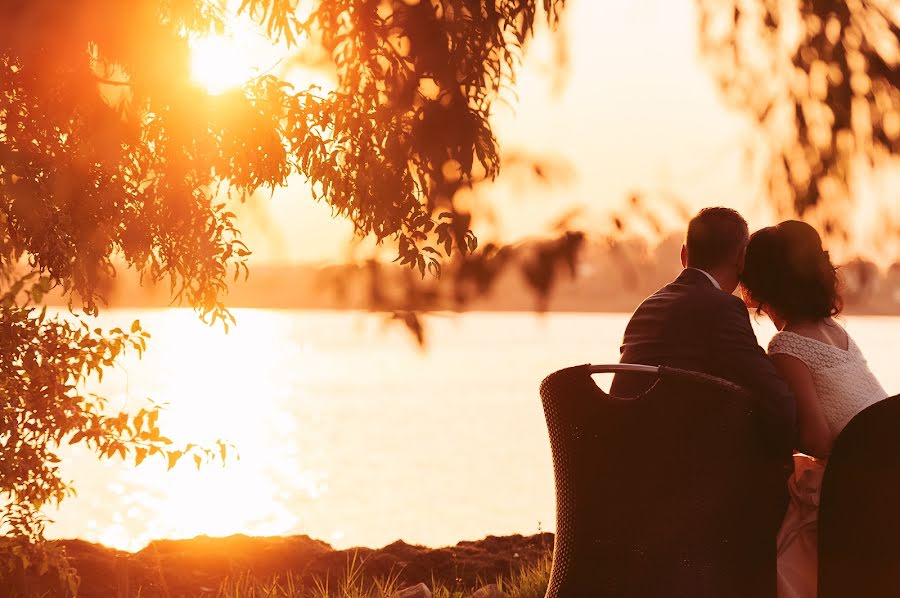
(693, 297)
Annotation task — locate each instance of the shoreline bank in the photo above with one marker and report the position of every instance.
(198, 566)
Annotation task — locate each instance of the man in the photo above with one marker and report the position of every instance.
(696, 323)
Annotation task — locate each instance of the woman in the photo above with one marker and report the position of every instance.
(789, 277)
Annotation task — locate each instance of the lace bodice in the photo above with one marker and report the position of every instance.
(844, 383)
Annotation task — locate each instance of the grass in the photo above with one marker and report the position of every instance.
(528, 582)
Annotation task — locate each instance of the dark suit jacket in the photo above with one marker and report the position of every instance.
(692, 325)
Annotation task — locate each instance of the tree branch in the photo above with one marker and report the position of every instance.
(113, 82)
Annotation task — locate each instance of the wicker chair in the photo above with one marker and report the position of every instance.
(859, 509)
(670, 494)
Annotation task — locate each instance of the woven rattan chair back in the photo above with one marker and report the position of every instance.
(670, 494)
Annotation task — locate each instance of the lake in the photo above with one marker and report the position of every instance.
(346, 431)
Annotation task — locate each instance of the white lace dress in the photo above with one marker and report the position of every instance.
(845, 386)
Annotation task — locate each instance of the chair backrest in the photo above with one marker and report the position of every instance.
(672, 493)
(859, 508)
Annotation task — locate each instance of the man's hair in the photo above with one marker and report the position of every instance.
(715, 236)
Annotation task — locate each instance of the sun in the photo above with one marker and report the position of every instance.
(223, 61)
(218, 64)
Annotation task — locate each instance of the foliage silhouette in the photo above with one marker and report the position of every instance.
(822, 80)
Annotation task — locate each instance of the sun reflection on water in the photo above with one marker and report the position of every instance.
(215, 387)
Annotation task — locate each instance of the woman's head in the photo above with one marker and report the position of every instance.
(789, 274)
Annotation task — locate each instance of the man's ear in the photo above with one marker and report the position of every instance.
(684, 256)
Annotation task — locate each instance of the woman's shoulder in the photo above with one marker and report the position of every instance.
(813, 349)
(789, 343)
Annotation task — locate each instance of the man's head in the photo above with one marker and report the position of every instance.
(716, 242)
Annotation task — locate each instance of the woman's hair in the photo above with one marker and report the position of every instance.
(787, 270)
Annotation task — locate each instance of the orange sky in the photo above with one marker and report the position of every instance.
(638, 113)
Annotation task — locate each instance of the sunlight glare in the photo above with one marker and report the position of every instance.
(220, 62)
(213, 393)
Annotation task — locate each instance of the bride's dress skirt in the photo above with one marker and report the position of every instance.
(798, 537)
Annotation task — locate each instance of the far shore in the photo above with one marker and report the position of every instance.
(607, 282)
(880, 310)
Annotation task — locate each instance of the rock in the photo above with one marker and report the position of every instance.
(419, 590)
(489, 591)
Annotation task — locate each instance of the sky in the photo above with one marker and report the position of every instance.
(638, 113)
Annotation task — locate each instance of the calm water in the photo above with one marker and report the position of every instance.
(346, 431)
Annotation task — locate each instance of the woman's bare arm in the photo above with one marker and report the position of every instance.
(814, 434)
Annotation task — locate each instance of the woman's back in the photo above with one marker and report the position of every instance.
(844, 383)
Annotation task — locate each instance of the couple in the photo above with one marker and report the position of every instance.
(814, 378)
